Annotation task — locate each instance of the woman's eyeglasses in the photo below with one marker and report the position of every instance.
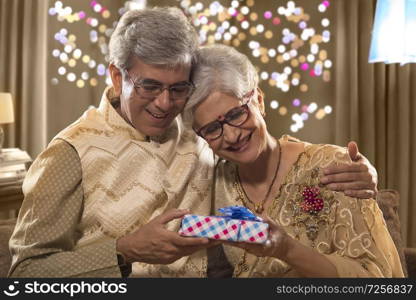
(234, 117)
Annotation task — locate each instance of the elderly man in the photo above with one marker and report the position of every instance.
(106, 197)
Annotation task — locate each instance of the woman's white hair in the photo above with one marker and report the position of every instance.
(157, 36)
(220, 68)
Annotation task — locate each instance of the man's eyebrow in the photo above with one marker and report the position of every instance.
(153, 81)
(150, 81)
(181, 82)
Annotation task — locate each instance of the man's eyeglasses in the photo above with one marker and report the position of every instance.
(234, 117)
(151, 89)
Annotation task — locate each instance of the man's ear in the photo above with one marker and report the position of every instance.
(260, 101)
(117, 79)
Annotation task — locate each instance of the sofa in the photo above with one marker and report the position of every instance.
(388, 201)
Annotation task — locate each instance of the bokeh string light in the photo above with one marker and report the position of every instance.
(288, 51)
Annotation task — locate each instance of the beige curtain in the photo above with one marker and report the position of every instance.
(23, 52)
(375, 105)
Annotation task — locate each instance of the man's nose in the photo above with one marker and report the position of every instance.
(163, 101)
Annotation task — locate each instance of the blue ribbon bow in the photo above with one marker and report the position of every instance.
(239, 213)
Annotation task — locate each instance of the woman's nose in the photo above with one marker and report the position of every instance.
(231, 133)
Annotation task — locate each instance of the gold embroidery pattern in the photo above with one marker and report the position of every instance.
(203, 194)
(84, 130)
(241, 266)
(177, 154)
(128, 130)
(113, 196)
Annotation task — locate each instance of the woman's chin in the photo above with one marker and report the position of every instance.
(241, 158)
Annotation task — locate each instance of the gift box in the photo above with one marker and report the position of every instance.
(238, 224)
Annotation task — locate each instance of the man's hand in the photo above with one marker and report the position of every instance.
(358, 179)
(154, 244)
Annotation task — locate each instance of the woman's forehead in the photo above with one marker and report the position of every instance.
(215, 105)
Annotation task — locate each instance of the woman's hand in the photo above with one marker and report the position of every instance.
(357, 179)
(305, 260)
(277, 245)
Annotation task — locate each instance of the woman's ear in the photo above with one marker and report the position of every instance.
(117, 79)
(260, 101)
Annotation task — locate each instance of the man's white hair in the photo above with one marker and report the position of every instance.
(157, 36)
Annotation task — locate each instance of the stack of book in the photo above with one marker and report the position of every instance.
(13, 167)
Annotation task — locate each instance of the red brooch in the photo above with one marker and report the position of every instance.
(312, 201)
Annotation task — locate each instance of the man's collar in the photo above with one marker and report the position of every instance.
(114, 119)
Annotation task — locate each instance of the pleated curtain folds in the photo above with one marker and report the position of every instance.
(23, 70)
(375, 106)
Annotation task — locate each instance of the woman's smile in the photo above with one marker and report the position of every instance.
(240, 146)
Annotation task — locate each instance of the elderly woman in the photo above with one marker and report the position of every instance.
(314, 232)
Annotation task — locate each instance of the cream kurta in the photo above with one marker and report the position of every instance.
(127, 180)
(350, 232)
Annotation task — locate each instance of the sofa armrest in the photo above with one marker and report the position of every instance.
(6, 230)
(388, 201)
(410, 256)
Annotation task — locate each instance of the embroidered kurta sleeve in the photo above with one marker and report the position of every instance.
(356, 241)
(44, 240)
(361, 243)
